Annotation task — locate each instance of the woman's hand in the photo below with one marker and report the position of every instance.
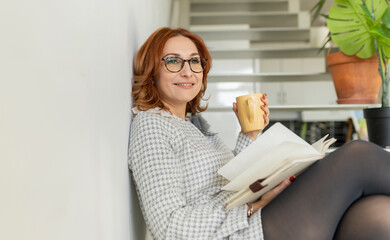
(265, 109)
(271, 194)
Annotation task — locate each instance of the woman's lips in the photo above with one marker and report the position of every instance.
(185, 85)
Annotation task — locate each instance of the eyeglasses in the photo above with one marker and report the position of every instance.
(176, 64)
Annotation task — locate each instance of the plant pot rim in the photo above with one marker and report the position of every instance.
(380, 112)
(341, 58)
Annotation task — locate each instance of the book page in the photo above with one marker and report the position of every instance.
(266, 165)
(290, 169)
(318, 145)
(321, 145)
(246, 195)
(263, 145)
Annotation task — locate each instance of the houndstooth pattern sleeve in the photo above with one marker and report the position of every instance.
(242, 142)
(179, 191)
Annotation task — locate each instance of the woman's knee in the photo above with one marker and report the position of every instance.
(368, 218)
(358, 146)
(354, 153)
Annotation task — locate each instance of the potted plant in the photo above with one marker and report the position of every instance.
(362, 28)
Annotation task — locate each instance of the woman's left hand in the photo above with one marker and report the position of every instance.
(265, 109)
(272, 194)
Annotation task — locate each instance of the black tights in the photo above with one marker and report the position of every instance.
(346, 195)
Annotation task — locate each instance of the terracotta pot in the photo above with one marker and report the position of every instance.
(356, 80)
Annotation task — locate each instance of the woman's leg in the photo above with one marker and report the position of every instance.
(368, 218)
(312, 207)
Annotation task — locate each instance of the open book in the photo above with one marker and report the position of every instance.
(273, 157)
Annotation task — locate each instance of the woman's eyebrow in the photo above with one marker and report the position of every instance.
(178, 55)
(174, 54)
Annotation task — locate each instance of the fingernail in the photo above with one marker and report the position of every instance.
(292, 178)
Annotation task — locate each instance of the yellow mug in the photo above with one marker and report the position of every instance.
(250, 113)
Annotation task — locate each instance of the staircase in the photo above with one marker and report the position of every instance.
(264, 46)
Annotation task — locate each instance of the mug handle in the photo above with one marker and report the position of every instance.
(251, 113)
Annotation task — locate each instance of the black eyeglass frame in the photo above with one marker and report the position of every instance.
(203, 63)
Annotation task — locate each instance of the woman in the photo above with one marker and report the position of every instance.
(174, 161)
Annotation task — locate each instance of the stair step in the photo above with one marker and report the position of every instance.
(254, 19)
(237, 1)
(219, 27)
(277, 44)
(241, 13)
(270, 77)
(258, 53)
(234, 5)
(257, 34)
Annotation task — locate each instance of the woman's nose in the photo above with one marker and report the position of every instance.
(186, 71)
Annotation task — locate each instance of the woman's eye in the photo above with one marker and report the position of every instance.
(172, 60)
(195, 60)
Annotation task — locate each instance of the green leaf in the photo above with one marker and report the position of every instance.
(382, 37)
(365, 9)
(386, 17)
(324, 15)
(378, 7)
(317, 9)
(381, 33)
(327, 40)
(350, 23)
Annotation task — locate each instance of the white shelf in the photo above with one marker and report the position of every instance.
(269, 77)
(338, 107)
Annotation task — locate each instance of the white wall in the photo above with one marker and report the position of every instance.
(65, 70)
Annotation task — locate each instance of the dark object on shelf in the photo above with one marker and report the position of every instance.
(378, 125)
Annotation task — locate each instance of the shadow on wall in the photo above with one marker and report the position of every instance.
(135, 214)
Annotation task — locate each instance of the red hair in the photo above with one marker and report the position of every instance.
(148, 61)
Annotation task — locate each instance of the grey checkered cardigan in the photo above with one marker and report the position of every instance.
(174, 165)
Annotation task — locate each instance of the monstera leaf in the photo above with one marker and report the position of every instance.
(355, 24)
(383, 38)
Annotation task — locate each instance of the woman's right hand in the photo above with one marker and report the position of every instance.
(264, 108)
(271, 194)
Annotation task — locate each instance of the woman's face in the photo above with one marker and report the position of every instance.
(178, 88)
